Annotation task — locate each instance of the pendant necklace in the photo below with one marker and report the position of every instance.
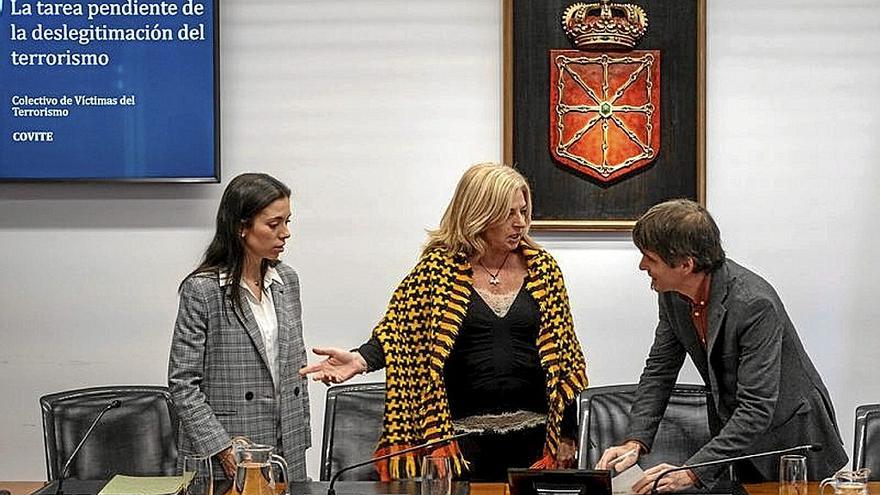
(493, 278)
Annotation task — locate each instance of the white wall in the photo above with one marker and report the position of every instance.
(371, 111)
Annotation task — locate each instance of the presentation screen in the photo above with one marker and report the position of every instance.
(107, 90)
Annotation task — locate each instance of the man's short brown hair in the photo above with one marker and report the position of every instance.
(678, 229)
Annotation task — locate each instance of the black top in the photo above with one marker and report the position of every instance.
(494, 366)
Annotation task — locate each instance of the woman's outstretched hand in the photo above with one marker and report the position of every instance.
(338, 367)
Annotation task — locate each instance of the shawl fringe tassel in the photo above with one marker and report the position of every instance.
(409, 465)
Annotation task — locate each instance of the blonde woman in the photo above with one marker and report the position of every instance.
(478, 337)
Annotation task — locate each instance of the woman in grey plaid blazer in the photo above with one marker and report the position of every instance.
(237, 343)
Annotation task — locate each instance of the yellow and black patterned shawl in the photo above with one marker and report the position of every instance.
(417, 334)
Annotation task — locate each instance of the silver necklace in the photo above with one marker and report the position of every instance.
(493, 278)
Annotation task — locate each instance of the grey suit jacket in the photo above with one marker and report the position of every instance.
(219, 376)
(765, 392)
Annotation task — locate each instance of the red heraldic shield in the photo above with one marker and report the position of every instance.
(605, 111)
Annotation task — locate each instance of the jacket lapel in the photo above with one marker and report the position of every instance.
(682, 313)
(282, 313)
(687, 334)
(717, 296)
(717, 310)
(249, 323)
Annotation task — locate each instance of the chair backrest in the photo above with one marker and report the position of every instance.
(352, 425)
(604, 415)
(866, 444)
(138, 438)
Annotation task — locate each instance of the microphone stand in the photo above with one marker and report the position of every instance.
(112, 405)
(812, 447)
(435, 443)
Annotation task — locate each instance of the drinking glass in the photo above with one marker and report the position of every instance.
(436, 476)
(792, 475)
(197, 476)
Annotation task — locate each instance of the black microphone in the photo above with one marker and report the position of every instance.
(814, 447)
(428, 445)
(112, 405)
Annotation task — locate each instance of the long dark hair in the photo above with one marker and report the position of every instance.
(244, 198)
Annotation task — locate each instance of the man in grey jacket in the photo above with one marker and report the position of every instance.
(765, 392)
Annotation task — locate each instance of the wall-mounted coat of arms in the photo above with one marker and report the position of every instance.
(605, 96)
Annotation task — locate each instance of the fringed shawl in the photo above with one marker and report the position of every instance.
(417, 334)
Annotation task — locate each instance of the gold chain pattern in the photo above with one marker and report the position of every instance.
(605, 109)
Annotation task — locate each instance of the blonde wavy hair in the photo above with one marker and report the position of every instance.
(481, 200)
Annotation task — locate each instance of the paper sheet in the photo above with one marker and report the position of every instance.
(623, 482)
(142, 485)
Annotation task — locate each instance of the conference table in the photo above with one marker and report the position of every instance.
(76, 487)
(92, 487)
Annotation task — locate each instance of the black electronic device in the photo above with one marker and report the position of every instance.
(559, 481)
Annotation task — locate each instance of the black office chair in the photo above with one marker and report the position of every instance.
(603, 419)
(866, 444)
(352, 425)
(138, 438)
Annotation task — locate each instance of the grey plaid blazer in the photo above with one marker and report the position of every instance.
(219, 376)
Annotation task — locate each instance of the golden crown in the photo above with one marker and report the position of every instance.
(604, 24)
